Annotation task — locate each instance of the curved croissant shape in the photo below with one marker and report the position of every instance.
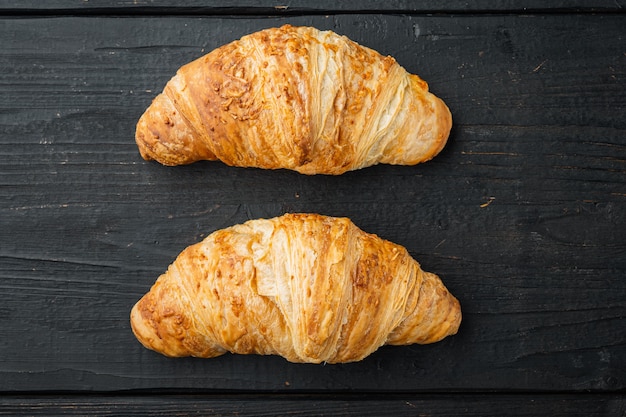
(295, 98)
(307, 287)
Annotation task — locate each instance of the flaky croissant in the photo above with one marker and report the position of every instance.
(295, 98)
(307, 287)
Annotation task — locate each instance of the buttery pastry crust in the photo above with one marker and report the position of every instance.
(308, 287)
(295, 98)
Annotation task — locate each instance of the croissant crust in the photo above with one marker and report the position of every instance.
(310, 288)
(295, 98)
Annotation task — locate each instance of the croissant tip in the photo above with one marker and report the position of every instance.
(138, 327)
(444, 117)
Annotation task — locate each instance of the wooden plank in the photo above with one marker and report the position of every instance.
(356, 405)
(522, 215)
(242, 7)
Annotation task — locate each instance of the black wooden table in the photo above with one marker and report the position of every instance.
(523, 214)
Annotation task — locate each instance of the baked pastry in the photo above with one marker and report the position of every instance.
(295, 98)
(308, 287)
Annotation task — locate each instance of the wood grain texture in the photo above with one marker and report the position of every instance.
(522, 215)
(306, 405)
(291, 7)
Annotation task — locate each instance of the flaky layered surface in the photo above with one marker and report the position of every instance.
(295, 98)
(307, 287)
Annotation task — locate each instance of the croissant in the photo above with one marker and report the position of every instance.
(294, 98)
(308, 287)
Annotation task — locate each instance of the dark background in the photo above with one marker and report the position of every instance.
(523, 214)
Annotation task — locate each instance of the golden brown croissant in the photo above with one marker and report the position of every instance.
(294, 98)
(307, 287)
